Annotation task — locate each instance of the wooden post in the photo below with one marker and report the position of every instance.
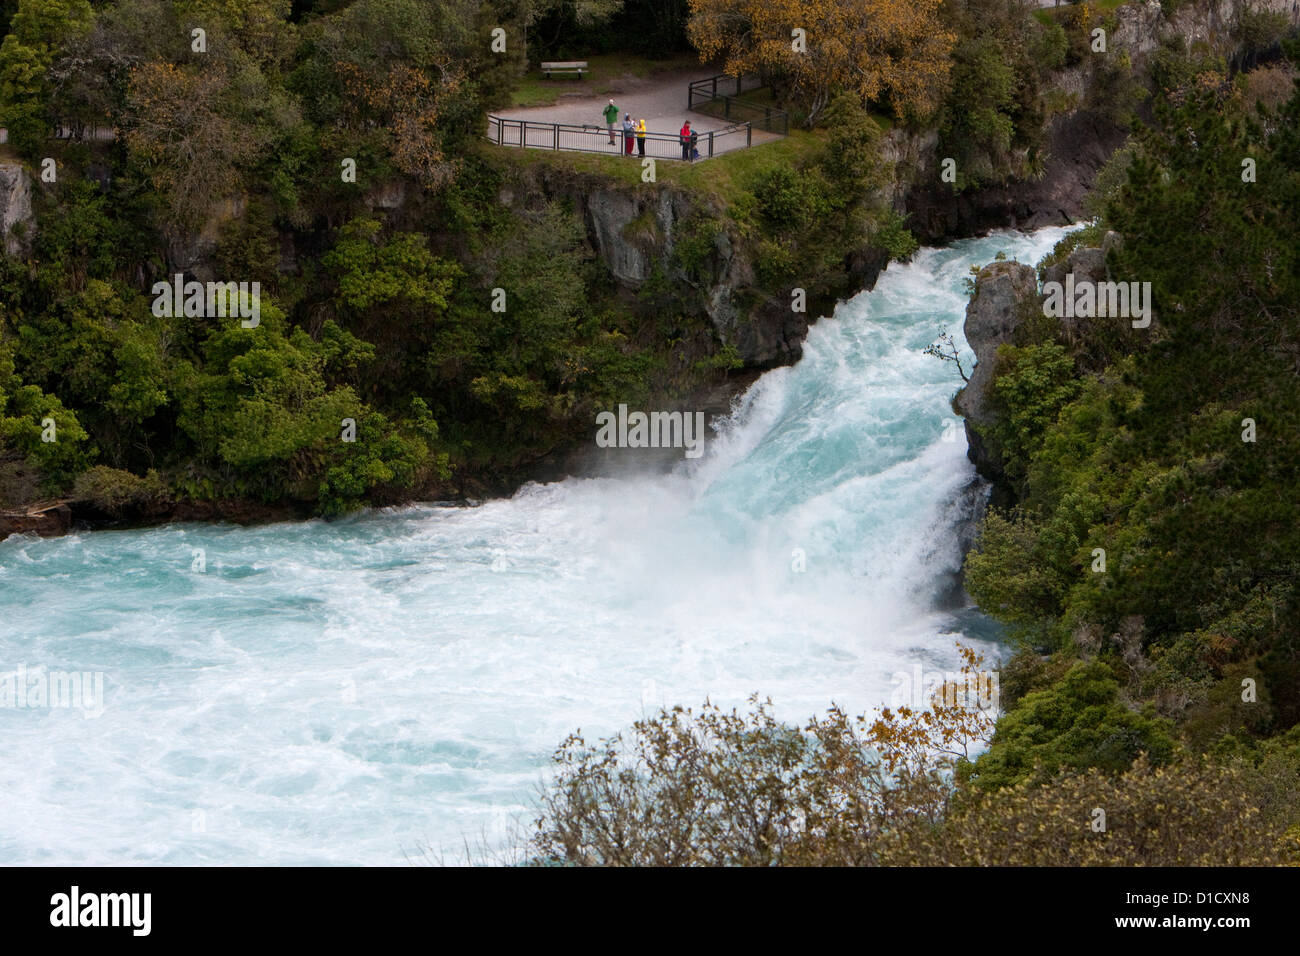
(710, 144)
(749, 135)
(557, 137)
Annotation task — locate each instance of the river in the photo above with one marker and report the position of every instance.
(390, 686)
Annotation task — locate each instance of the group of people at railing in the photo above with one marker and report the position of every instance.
(634, 132)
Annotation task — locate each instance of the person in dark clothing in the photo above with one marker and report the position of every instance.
(695, 152)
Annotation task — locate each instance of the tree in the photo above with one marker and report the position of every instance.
(180, 132)
(37, 31)
(1076, 724)
(890, 51)
(742, 788)
(107, 355)
(37, 427)
(390, 82)
(267, 422)
(555, 22)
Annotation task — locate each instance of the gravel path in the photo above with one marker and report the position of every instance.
(660, 100)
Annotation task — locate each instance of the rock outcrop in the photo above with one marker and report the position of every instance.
(1140, 26)
(1005, 293)
(1086, 264)
(1077, 146)
(635, 233)
(195, 252)
(17, 221)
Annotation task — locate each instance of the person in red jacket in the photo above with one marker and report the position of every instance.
(684, 136)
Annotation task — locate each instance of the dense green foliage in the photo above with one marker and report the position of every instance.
(421, 333)
(1076, 723)
(1003, 87)
(996, 105)
(384, 365)
(805, 216)
(1156, 470)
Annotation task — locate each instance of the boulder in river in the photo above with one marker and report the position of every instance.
(1004, 291)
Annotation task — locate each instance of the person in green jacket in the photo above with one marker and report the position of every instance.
(611, 117)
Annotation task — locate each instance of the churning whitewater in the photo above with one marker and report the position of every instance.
(391, 685)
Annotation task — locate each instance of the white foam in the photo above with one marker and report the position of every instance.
(350, 692)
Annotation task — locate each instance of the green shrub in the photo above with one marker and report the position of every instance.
(118, 493)
(1191, 813)
(1077, 723)
(791, 200)
(1031, 385)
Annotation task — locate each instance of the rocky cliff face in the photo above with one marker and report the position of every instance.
(1086, 264)
(1077, 146)
(1142, 24)
(1005, 292)
(16, 218)
(1078, 142)
(635, 232)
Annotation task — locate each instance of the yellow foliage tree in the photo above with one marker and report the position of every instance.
(890, 51)
(179, 130)
(407, 103)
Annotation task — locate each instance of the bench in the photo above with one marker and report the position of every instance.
(577, 67)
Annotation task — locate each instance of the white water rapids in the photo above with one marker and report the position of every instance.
(360, 690)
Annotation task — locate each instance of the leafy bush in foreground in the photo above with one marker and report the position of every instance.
(731, 788)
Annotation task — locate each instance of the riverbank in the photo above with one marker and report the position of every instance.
(346, 691)
(478, 321)
(772, 335)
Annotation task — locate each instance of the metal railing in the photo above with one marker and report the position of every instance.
(717, 96)
(724, 84)
(100, 134)
(590, 138)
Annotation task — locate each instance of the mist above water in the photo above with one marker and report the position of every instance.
(361, 690)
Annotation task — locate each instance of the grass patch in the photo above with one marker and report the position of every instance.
(608, 74)
(1046, 15)
(723, 176)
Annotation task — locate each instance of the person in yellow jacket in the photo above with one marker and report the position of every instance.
(640, 136)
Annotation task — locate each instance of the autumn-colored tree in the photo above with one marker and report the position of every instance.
(183, 139)
(891, 51)
(742, 788)
(406, 102)
(395, 84)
